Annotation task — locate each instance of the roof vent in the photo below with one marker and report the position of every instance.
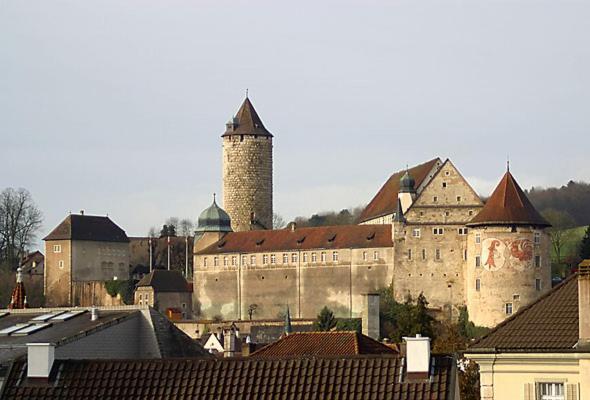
(332, 238)
(301, 240)
(259, 242)
(371, 236)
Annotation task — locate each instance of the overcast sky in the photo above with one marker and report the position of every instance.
(117, 107)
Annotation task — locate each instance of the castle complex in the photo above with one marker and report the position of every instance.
(425, 231)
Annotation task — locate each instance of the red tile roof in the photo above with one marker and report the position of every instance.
(549, 324)
(248, 122)
(508, 205)
(88, 227)
(360, 377)
(312, 344)
(385, 201)
(323, 237)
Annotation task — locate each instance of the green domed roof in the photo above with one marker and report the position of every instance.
(406, 183)
(214, 219)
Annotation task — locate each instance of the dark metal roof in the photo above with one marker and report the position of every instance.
(508, 205)
(214, 219)
(165, 281)
(549, 324)
(88, 227)
(366, 377)
(320, 344)
(385, 201)
(246, 122)
(323, 237)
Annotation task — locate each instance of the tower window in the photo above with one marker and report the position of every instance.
(538, 284)
(423, 254)
(409, 254)
(478, 261)
(477, 238)
(537, 238)
(537, 261)
(508, 308)
(57, 248)
(477, 285)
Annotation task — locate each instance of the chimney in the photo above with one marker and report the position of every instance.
(584, 304)
(81, 212)
(40, 357)
(370, 315)
(417, 357)
(229, 342)
(93, 313)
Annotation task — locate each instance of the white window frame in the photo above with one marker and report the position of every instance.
(252, 260)
(273, 258)
(323, 256)
(61, 263)
(375, 255)
(416, 232)
(293, 257)
(264, 259)
(537, 238)
(462, 231)
(225, 261)
(335, 256)
(508, 308)
(551, 388)
(285, 258)
(438, 231)
(215, 261)
(478, 238)
(234, 261)
(57, 248)
(314, 257)
(304, 257)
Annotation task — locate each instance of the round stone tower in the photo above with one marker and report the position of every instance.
(247, 171)
(508, 262)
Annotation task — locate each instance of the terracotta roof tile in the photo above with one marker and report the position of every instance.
(323, 344)
(165, 281)
(323, 237)
(550, 323)
(508, 205)
(367, 377)
(385, 201)
(88, 227)
(248, 122)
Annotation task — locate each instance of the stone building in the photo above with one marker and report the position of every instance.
(425, 231)
(81, 253)
(165, 291)
(247, 170)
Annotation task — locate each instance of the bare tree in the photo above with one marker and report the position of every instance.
(173, 221)
(20, 219)
(277, 221)
(185, 227)
(560, 235)
(153, 233)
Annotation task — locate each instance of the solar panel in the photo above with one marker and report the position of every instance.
(45, 317)
(13, 328)
(31, 329)
(67, 315)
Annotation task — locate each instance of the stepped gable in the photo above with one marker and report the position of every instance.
(246, 122)
(508, 205)
(88, 227)
(550, 323)
(165, 281)
(322, 237)
(385, 201)
(319, 344)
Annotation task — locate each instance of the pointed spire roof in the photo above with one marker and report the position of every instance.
(18, 299)
(246, 122)
(398, 216)
(508, 205)
(288, 328)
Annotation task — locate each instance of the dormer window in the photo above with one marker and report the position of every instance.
(371, 236)
(332, 238)
(259, 242)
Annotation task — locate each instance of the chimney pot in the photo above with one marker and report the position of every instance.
(417, 357)
(370, 315)
(40, 357)
(584, 304)
(93, 313)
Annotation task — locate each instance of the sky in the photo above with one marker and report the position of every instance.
(117, 107)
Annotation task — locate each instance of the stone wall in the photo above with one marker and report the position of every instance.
(93, 293)
(99, 261)
(247, 180)
(58, 275)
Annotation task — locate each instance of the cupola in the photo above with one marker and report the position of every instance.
(214, 219)
(407, 183)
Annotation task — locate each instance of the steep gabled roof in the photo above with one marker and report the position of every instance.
(385, 201)
(165, 281)
(548, 324)
(246, 122)
(321, 237)
(508, 205)
(88, 227)
(320, 344)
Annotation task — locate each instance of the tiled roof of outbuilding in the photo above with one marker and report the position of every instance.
(367, 377)
(320, 344)
(549, 324)
(165, 281)
(508, 205)
(88, 227)
(385, 201)
(322, 237)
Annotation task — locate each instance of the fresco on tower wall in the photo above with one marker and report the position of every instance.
(497, 253)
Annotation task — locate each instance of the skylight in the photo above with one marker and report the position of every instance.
(13, 328)
(45, 317)
(31, 329)
(67, 315)
(3, 314)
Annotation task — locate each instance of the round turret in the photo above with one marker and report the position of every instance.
(214, 219)
(406, 183)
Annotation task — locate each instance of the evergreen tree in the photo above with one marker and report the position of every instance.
(424, 321)
(326, 320)
(585, 245)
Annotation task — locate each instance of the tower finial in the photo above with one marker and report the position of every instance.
(246, 92)
(214, 194)
(507, 163)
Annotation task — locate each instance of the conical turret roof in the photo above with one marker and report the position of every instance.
(508, 205)
(246, 122)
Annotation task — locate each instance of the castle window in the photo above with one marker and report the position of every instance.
(537, 238)
(273, 258)
(323, 257)
(477, 238)
(438, 231)
(478, 261)
(264, 259)
(424, 254)
(447, 173)
(477, 285)
(437, 255)
(225, 261)
(470, 213)
(365, 256)
(304, 257)
(293, 257)
(421, 213)
(285, 258)
(334, 256)
(538, 284)
(409, 254)
(252, 260)
(444, 184)
(416, 232)
(516, 297)
(234, 261)
(243, 260)
(508, 308)
(60, 263)
(537, 261)
(215, 261)
(375, 255)
(435, 199)
(57, 248)
(140, 298)
(314, 257)
(462, 231)
(205, 262)
(465, 254)
(458, 199)
(447, 213)
(183, 305)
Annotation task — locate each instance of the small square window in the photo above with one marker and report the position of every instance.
(435, 199)
(444, 184)
(447, 213)
(57, 248)
(477, 238)
(470, 213)
(508, 308)
(458, 199)
(516, 297)
(416, 232)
